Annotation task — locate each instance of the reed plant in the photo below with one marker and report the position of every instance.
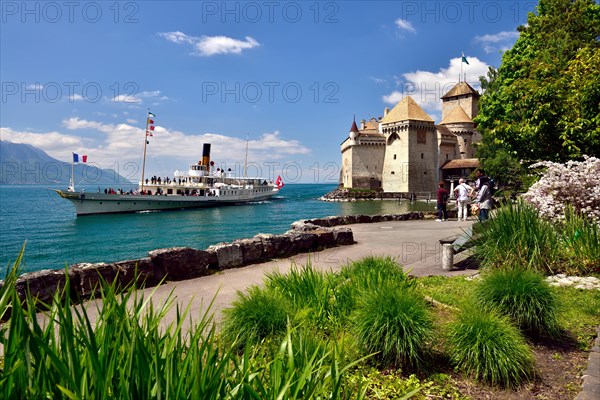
(127, 352)
(523, 295)
(395, 322)
(485, 345)
(517, 235)
(581, 242)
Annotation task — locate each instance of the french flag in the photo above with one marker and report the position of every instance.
(79, 158)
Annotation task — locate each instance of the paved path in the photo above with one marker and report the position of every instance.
(414, 244)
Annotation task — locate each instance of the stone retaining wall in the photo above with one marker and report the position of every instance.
(180, 263)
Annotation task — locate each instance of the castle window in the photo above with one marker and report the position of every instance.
(392, 172)
(465, 141)
(447, 157)
(422, 156)
(394, 156)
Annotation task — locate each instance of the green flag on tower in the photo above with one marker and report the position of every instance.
(464, 59)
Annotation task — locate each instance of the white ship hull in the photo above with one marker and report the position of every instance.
(101, 203)
(201, 186)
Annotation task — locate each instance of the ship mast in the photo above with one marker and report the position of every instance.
(145, 144)
(246, 160)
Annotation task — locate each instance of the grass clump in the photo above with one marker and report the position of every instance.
(372, 272)
(580, 238)
(522, 295)
(309, 292)
(518, 236)
(395, 322)
(486, 346)
(256, 314)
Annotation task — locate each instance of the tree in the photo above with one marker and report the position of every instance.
(544, 101)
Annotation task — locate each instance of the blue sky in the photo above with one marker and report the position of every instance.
(290, 76)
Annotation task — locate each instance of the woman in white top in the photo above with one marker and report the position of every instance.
(463, 193)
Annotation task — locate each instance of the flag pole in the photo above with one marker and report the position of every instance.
(72, 183)
(145, 144)
(461, 67)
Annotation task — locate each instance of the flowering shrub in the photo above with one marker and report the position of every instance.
(576, 183)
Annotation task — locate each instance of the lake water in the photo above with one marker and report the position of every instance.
(56, 237)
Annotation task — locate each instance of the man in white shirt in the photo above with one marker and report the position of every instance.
(463, 193)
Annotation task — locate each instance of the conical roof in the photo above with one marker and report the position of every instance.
(354, 128)
(456, 116)
(406, 109)
(461, 88)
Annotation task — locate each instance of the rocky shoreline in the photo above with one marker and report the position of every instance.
(181, 263)
(348, 195)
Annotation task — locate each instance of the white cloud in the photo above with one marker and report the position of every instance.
(500, 41)
(131, 121)
(108, 145)
(52, 142)
(35, 86)
(211, 45)
(177, 37)
(75, 97)
(427, 87)
(138, 97)
(126, 98)
(405, 25)
(378, 81)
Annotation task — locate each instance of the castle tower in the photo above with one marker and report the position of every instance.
(463, 95)
(411, 156)
(459, 123)
(362, 156)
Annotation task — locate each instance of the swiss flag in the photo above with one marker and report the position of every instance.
(279, 182)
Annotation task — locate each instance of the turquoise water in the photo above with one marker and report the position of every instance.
(55, 236)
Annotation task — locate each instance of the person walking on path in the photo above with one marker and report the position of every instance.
(442, 199)
(463, 193)
(484, 198)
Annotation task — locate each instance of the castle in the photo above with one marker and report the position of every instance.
(406, 152)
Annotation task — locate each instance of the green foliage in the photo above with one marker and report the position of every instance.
(488, 347)
(453, 291)
(311, 294)
(544, 101)
(395, 322)
(522, 295)
(579, 313)
(518, 236)
(580, 241)
(391, 385)
(372, 272)
(256, 314)
(127, 352)
(301, 367)
(503, 165)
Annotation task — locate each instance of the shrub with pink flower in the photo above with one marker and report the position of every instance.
(575, 183)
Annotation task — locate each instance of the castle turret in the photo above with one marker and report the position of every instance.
(461, 95)
(354, 133)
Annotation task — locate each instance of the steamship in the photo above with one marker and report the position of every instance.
(199, 187)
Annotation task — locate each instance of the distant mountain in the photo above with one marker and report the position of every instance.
(25, 164)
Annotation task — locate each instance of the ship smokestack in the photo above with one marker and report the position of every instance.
(205, 154)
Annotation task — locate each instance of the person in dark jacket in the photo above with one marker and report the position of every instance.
(442, 199)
